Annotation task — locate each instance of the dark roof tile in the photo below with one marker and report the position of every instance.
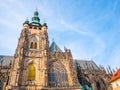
(54, 47)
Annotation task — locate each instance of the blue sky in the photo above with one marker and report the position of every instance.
(90, 28)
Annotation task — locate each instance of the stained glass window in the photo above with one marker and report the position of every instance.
(31, 72)
(57, 75)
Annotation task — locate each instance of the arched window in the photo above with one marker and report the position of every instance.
(31, 45)
(35, 45)
(31, 72)
(57, 75)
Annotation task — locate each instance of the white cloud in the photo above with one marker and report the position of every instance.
(82, 50)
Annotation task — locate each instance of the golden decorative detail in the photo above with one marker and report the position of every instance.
(31, 72)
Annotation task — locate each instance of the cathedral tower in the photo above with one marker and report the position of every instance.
(38, 67)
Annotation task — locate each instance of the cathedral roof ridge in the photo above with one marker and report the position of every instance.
(84, 60)
(86, 63)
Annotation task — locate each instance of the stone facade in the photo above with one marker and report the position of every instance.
(36, 68)
(93, 78)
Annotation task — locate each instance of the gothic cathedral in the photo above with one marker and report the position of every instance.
(36, 66)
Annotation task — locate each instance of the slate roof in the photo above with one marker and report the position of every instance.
(84, 64)
(54, 47)
(5, 60)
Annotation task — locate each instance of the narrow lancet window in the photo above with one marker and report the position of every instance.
(31, 45)
(35, 45)
(31, 72)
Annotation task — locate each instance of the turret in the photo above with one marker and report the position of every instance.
(44, 26)
(26, 24)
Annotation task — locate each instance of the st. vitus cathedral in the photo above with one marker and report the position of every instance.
(38, 66)
(35, 66)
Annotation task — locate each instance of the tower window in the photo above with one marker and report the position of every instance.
(39, 28)
(31, 45)
(35, 27)
(35, 45)
(30, 27)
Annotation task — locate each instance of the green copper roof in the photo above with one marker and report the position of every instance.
(26, 22)
(84, 88)
(36, 19)
(88, 88)
(44, 24)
